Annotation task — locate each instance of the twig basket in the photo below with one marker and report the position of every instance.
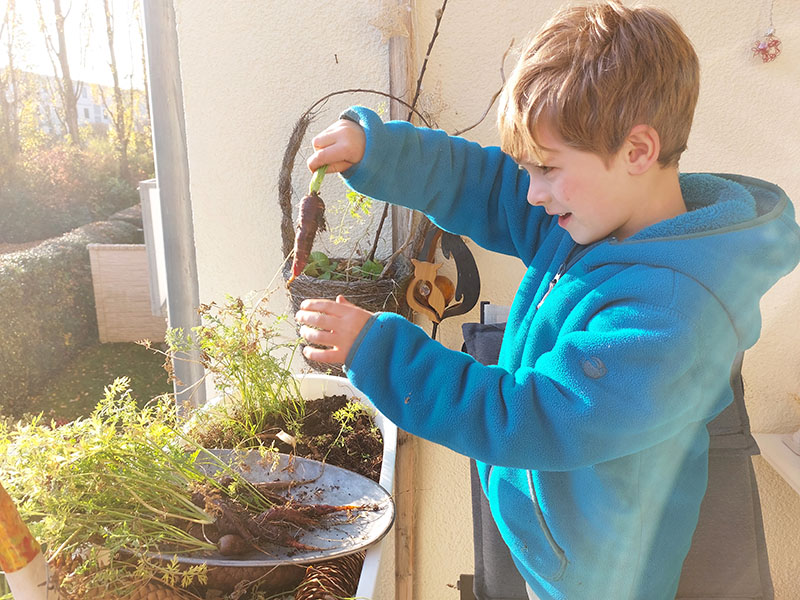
(387, 294)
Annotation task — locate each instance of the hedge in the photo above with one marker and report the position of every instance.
(47, 312)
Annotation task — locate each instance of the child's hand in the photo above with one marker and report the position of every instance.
(340, 146)
(332, 324)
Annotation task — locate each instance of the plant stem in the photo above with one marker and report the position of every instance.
(371, 255)
(316, 180)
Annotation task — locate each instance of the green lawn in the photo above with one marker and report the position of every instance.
(75, 391)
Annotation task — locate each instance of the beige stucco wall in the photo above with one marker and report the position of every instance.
(250, 67)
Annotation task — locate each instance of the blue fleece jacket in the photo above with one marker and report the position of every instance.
(591, 431)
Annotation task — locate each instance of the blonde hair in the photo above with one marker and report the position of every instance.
(593, 73)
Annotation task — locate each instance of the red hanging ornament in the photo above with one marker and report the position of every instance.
(769, 47)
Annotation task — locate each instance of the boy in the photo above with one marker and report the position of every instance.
(642, 286)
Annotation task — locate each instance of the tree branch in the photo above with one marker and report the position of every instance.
(496, 94)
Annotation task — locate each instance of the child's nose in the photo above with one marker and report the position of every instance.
(538, 193)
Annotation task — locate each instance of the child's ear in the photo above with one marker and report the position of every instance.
(642, 147)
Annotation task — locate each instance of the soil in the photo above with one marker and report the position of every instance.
(359, 450)
(237, 531)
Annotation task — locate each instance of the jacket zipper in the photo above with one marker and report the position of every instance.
(561, 270)
(573, 256)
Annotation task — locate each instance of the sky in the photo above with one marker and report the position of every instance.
(87, 44)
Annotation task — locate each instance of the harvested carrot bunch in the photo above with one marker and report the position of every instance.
(311, 218)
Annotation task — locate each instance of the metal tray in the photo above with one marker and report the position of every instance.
(311, 482)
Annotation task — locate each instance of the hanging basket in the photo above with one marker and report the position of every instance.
(387, 294)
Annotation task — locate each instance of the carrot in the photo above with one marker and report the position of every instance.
(309, 221)
(232, 544)
(302, 515)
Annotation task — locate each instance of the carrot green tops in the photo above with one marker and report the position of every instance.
(591, 431)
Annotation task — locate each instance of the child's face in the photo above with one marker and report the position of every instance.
(588, 194)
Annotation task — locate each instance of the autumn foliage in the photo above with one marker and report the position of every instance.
(54, 188)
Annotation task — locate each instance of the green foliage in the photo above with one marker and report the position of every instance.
(121, 478)
(349, 414)
(54, 188)
(249, 359)
(114, 486)
(358, 204)
(370, 269)
(47, 313)
(321, 266)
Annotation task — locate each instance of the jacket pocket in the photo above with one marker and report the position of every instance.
(540, 551)
(557, 550)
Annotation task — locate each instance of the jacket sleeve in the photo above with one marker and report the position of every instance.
(626, 382)
(464, 188)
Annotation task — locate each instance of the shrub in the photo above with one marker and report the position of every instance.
(47, 311)
(55, 188)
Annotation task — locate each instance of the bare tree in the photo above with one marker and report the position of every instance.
(64, 85)
(137, 11)
(121, 114)
(9, 85)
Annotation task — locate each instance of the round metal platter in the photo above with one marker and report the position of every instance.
(308, 482)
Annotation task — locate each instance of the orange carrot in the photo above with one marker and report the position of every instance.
(311, 218)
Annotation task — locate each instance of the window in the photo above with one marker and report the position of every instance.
(86, 112)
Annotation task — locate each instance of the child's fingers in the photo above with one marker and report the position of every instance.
(316, 160)
(324, 139)
(317, 320)
(324, 355)
(323, 305)
(340, 146)
(318, 337)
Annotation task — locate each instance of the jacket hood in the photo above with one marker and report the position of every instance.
(737, 238)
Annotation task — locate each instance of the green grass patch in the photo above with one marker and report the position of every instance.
(76, 390)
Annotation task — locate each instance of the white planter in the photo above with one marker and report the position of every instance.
(31, 581)
(317, 386)
(380, 556)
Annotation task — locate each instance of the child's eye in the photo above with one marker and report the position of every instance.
(543, 169)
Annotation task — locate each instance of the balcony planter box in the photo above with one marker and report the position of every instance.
(380, 557)
(377, 572)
